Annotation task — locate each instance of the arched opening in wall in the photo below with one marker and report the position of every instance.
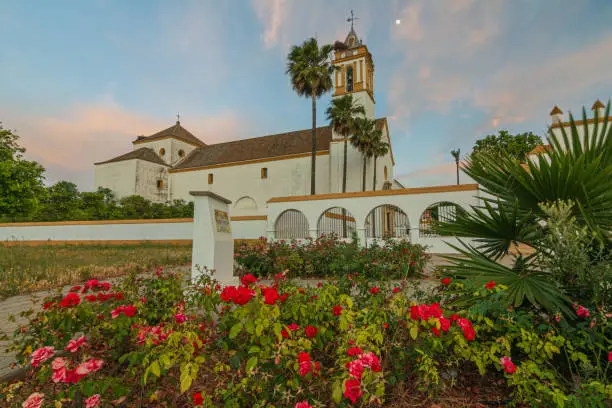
(443, 211)
(349, 78)
(387, 221)
(291, 224)
(337, 221)
(386, 174)
(245, 206)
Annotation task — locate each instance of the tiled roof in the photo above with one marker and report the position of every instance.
(144, 153)
(540, 149)
(265, 147)
(176, 131)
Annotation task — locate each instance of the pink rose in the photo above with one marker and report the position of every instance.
(41, 355)
(93, 401)
(303, 404)
(35, 400)
(355, 368)
(180, 318)
(74, 345)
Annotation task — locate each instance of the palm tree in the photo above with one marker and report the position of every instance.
(512, 213)
(455, 154)
(363, 140)
(341, 114)
(310, 69)
(379, 149)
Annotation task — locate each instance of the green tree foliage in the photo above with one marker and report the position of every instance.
(310, 70)
(364, 140)
(513, 214)
(21, 181)
(516, 146)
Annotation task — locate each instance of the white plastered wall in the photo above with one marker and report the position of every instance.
(147, 175)
(120, 177)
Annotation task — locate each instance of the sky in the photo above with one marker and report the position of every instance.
(79, 80)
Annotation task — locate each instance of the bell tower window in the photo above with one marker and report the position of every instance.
(349, 79)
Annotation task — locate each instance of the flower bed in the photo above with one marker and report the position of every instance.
(151, 342)
(328, 256)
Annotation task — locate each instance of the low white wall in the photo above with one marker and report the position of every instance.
(251, 229)
(128, 230)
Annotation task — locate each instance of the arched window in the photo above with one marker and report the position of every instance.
(387, 221)
(291, 224)
(349, 78)
(337, 221)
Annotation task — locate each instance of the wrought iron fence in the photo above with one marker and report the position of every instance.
(337, 221)
(444, 212)
(291, 224)
(387, 221)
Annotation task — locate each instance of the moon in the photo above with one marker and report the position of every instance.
(397, 22)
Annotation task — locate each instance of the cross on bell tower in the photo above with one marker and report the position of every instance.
(351, 19)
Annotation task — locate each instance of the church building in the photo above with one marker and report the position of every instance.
(167, 165)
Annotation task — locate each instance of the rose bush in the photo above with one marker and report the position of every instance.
(345, 342)
(327, 256)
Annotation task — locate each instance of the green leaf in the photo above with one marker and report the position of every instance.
(254, 349)
(251, 363)
(186, 378)
(237, 328)
(414, 332)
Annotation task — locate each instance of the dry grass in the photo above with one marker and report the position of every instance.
(25, 269)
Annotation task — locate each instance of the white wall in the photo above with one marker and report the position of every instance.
(147, 174)
(285, 177)
(251, 229)
(127, 230)
(118, 176)
(172, 147)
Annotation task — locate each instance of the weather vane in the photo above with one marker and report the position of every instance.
(178, 117)
(351, 19)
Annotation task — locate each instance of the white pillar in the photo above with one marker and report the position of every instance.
(213, 244)
(361, 234)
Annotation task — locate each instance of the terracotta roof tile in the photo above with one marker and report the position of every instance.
(598, 104)
(144, 153)
(540, 149)
(176, 131)
(282, 144)
(556, 111)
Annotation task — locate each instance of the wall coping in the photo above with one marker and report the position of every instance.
(211, 195)
(378, 193)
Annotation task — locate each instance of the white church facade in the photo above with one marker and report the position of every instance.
(169, 164)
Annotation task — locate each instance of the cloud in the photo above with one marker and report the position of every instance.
(272, 14)
(68, 143)
(440, 174)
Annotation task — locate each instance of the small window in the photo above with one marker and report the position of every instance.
(160, 184)
(264, 172)
(162, 152)
(386, 173)
(210, 178)
(349, 79)
(181, 153)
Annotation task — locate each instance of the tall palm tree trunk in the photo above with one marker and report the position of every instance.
(364, 174)
(344, 232)
(313, 161)
(374, 182)
(457, 164)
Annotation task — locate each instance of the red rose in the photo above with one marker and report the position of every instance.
(243, 295)
(414, 313)
(270, 295)
(444, 324)
(71, 299)
(435, 331)
(508, 364)
(91, 298)
(75, 288)
(293, 327)
(490, 285)
(355, 368)
(374, 290)
(337, 310)
(48, 305)
(228, 293)
(610, 357)
(395, 290)
(247, 279)
(197, 399)
(354, 351)
(303, 356)
(285, 333)
(283, 297)
(311, 331)
(352, 389)
(445, 281)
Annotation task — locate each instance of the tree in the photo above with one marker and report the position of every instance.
(576, 180)
(455, 154)
(342, 113)
(21, 181)
(62, 201)
(516, 146)
(379, 149)
(363, 140)
(310, 70)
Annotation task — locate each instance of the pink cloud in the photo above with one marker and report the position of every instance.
(69, 143)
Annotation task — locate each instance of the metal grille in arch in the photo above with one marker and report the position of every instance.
(387, 221)
(291, 224)
(337, 221)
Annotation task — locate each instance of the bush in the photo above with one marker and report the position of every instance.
(153, 342)
(328, 256)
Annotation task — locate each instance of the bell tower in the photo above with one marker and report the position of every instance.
(355, 70)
